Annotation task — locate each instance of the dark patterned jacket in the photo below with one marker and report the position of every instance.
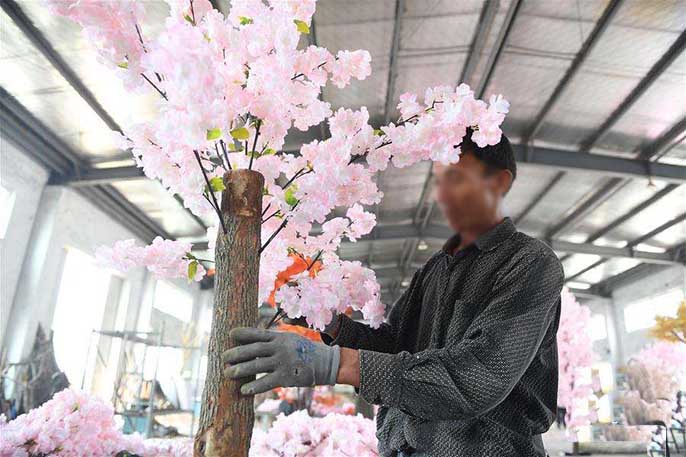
(466, 364)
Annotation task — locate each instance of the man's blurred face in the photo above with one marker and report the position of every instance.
(467, 193)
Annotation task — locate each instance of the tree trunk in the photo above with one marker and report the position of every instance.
(226, 417)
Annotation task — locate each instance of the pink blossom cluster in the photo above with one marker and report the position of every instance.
(113, 26)
(75, 424)
(431, 130)
(333, 290)
(229, 90)
(71, 424)
(299, 435)
(664, 357)
(658, 370)
(164, 258)
(575, 351)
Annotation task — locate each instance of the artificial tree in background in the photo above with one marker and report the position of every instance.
(671, 329)
(229, 90)
(575, 349)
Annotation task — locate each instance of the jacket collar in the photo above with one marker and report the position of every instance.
(489, 240)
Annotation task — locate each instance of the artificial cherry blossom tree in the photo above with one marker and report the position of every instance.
(575, 353)
(229, 90)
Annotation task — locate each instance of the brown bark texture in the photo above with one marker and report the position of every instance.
(226, 417)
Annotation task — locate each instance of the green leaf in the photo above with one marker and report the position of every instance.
(289, 196)
(213, 134)
(217, 184)
(268, 152)
(245, 20)
(302, 26)
(241, 133)
(378, 132)
(123, 65)
(192, 270)
(189, 19)
(190, 256)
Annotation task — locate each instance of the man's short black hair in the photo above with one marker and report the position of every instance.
(496, 157)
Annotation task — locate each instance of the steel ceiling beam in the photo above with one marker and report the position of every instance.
(38, 141)
(36, 37)
(588, 294)
(665, 141)
(47, 148)
(660, 66)
(586, 206)
(567, 160)
(647, 153)
(539, 197)
(585, 50)
(441, 233)
(603, 165)
(627, 252)
(609, 285)
(631, 213)
(670, 255)
(493, 58)
(390, 91)
(650, 151)
(98, 176)
(113, 203)
(393, 64)
(483, 29)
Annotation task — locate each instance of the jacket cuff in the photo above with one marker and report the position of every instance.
(346, 336)
(381, 378)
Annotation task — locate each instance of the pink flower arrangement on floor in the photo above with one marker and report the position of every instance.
(299, 435)
(75, 424)
(71, 424)
(230, 89)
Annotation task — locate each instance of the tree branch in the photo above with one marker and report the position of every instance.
(164, 95)
(209, 188)
(276, 232)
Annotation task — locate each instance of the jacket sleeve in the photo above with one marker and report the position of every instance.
(356, 335)
(469, 377)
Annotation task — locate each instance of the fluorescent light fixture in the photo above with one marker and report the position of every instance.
(578, 285)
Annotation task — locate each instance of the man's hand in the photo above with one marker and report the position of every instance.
(289, 360)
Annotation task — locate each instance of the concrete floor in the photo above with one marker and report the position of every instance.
(556, 444)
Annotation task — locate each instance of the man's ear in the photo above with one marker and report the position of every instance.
(504, 180)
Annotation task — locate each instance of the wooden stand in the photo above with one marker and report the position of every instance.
(226, 417)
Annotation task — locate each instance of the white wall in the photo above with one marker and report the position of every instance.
(64, 219)
(26, 178)
(649, 286)
(45, 222)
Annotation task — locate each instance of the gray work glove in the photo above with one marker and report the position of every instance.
(289, 360)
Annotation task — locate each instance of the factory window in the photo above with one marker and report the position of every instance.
(173, 300)
(80, 308)
(641, 314)
(6, 207)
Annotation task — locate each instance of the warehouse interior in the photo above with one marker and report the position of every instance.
(598, 124)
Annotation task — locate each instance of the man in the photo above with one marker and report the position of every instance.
(466, 365)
